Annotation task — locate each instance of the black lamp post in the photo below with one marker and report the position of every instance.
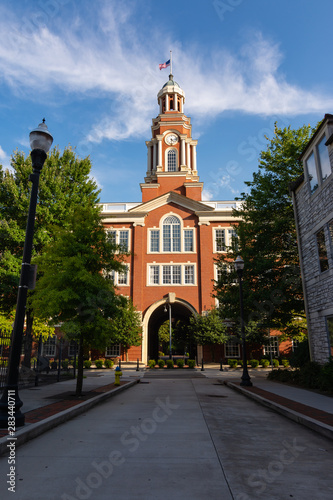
(170, 338)
(10, 403)
(239, 266)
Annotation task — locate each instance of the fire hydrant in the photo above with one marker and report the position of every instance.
(117, 374)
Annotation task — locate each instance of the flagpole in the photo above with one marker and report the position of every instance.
(171, 62)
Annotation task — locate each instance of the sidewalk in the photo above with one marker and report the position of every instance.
(47, 406)
(312, 409)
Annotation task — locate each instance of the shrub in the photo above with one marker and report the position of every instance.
(301, 355)
(180, 363)
(276, 363)
(160, 353)
(191, 363)
(65, 364)
(170, 363)
(87, 363)
(108, 363)
(264, 363)
(151, 363)
(326, 377)
(232, 363)
(54, 365)
(254, 363)
(240, 362)
(285, 363)
(161, 363)
(99, 363)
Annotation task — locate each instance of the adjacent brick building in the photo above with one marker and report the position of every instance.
(313, 206)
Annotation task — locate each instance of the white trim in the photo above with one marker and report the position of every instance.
(182, 273)
(182, 237)
(166, 165)
(118, 230)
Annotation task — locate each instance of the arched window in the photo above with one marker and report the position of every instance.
(171, 234)
(172, 160)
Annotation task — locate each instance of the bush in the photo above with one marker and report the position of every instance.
(170, 363)
(191, 363)
(326, 377)
(301, 355)
(151, 363)
(240, 362)
(87, 363)
(232, 363)
(264, 363)
(54, 365)
(285, 363)
(254, 363)
(161, 363)
(180, 363)
(276, 363)
(160, 353)
(108, 363)
(99, 363)
(65, 364)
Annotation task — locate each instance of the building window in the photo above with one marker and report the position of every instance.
(324, 161)
(188, 240)
(171, 234)
(233, 239)
(171, 274)
(123, 277)
(73, 349)
(330, 334)
(49, 347)
(272, 347)
(232, 350)
(155, 240)
(112, 350)
(322, 251)
(220, 240)
(294, 344)
(172, 160)
(312, 172)
(119, 278)
(120, 237)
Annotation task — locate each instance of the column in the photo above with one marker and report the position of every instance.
(161, 105)
(159, 160)
(188, 145)
(149, 158)
(194, 157)
(176, 102)
(182, 152)
(166, 102)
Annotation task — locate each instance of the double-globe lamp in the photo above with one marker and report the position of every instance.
(10, 403)
(239, 267)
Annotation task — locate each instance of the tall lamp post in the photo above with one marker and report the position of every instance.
(165, 310)
(239, 266)
(40, 143)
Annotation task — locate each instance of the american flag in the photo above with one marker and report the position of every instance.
(164, 65)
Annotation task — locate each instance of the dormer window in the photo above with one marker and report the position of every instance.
(318, 165)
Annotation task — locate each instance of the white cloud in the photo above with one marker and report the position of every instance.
(4, 159)
(110, 57)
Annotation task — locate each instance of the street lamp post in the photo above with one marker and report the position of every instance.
(239, 266)
(170, 337)
(10, 403)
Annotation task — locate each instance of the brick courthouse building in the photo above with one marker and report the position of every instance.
(172, 235)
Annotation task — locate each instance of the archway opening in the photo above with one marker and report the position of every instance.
(181, 339)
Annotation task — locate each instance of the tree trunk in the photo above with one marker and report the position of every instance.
(28, 339)
(79, 380)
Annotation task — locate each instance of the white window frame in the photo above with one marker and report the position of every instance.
(229, 232)
(73, 348)
(115, 275)
(235, 346)
(318, 168)
(118, 232)
(113, 351)
(161, 265)
(182, 237)
(51, 342)
(273, 345)
(167, 162)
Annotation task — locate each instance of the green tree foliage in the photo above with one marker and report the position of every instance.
(74, 288)
(208, 329)
(267, 241)
(126, 326)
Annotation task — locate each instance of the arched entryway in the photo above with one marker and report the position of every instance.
(155, 316)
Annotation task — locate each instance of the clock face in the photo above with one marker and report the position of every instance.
(171, 139)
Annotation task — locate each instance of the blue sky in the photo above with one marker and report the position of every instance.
(91, 69)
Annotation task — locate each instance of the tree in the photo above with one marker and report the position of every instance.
(74, 289)
(208, 329)
(126, 326)
(267, 241)
(65, 184)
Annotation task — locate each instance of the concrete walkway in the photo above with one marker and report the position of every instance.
(172, 437)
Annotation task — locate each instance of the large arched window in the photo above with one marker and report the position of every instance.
(171, 234)
(172, 160)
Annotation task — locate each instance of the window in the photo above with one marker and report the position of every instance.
(272, 347)
(73, 349)
(189, 275)
(294, 344)
(188, 240)
(119, 278)
(232, 350)
(171, 274)
(123, 277)
(233, 238)
(220, 240)
(329, 322)
(155, 240)
(49, 347)
(172, 160)
(322, 252)
(311, 166)
(120, 237)
(324, 161)
(171, 234)
(112, 350)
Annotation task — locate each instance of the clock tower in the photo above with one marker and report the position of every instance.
(171, 152)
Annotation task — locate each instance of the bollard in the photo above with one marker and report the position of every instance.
(221, 367)
(137, 365)
(117, 375)
(202, 365)
(119, 364)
